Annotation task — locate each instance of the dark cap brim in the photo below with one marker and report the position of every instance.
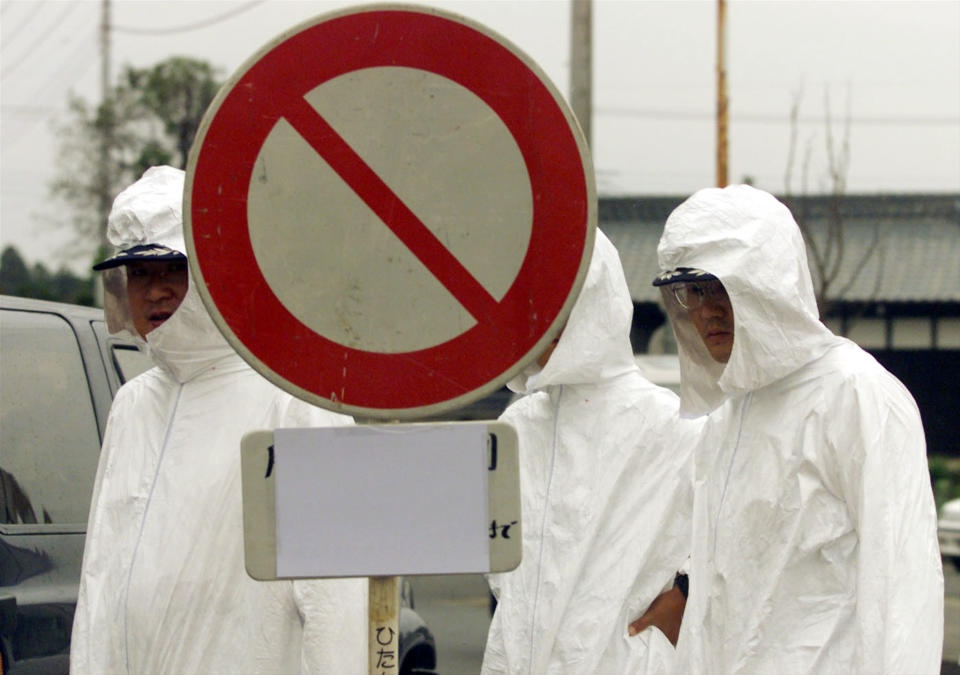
(681, 274)
(144, 253)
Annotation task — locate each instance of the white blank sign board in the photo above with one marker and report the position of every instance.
(378, 500)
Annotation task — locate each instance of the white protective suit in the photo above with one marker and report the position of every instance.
(606, 498)
(164, 589)
(815, 545)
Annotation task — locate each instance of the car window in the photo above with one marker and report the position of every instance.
(130, 361)
(49, 441)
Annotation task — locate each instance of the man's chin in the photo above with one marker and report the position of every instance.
(147, 326)
(720, 345)
(721, 352)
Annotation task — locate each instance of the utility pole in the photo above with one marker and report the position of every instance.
(107, 121)
(581, 63)
(721, 94)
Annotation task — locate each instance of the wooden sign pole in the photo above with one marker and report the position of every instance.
(384, 631)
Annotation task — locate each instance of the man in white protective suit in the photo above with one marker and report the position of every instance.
(164, 589)
(814, 527)
(606, 496)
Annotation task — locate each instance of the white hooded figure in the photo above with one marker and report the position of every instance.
(606, 495)
(164, 588)
(814, 527)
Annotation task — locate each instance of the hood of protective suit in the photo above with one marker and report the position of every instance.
(750, 241)
(595, 343)
(150, 212)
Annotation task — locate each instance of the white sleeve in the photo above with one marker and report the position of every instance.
(886, 484)
(334, 614)
(92, 635)
(294, 413)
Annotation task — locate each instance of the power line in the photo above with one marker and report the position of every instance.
(36, 43)
(864, 120)
(765, 118)
(37, 6)
(29, 109)
(41, 107)
(190, 26)
(71, 69)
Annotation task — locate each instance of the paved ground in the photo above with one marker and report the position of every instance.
(457, 610)
(951, 629)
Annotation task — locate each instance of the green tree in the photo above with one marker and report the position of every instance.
(177, 92)
(40, 286)
(14, 275)
(63, 286)
(150, 118)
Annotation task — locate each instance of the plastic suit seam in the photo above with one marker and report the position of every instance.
(143, 520)
(733, 458)
(543, 527)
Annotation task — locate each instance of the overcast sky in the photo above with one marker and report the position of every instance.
(895, 65)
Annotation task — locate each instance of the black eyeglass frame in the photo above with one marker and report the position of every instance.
(690, 294)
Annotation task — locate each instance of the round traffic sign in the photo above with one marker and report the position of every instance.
(389, 210)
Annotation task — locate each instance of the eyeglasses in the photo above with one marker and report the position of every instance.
(142, 274)
(691, 295)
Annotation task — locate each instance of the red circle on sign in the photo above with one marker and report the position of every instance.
(342, 377)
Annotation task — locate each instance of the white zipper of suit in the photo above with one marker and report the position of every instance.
(744, 407)
(543, 527)
(143, 520)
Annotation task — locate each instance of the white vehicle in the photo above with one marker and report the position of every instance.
(948, 531)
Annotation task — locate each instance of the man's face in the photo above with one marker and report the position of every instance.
(709, 308)
(155, 290)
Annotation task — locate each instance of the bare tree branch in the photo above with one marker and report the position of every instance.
(827, 243)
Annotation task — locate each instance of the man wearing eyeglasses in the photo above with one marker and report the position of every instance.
(814, 528)
(708, 307)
